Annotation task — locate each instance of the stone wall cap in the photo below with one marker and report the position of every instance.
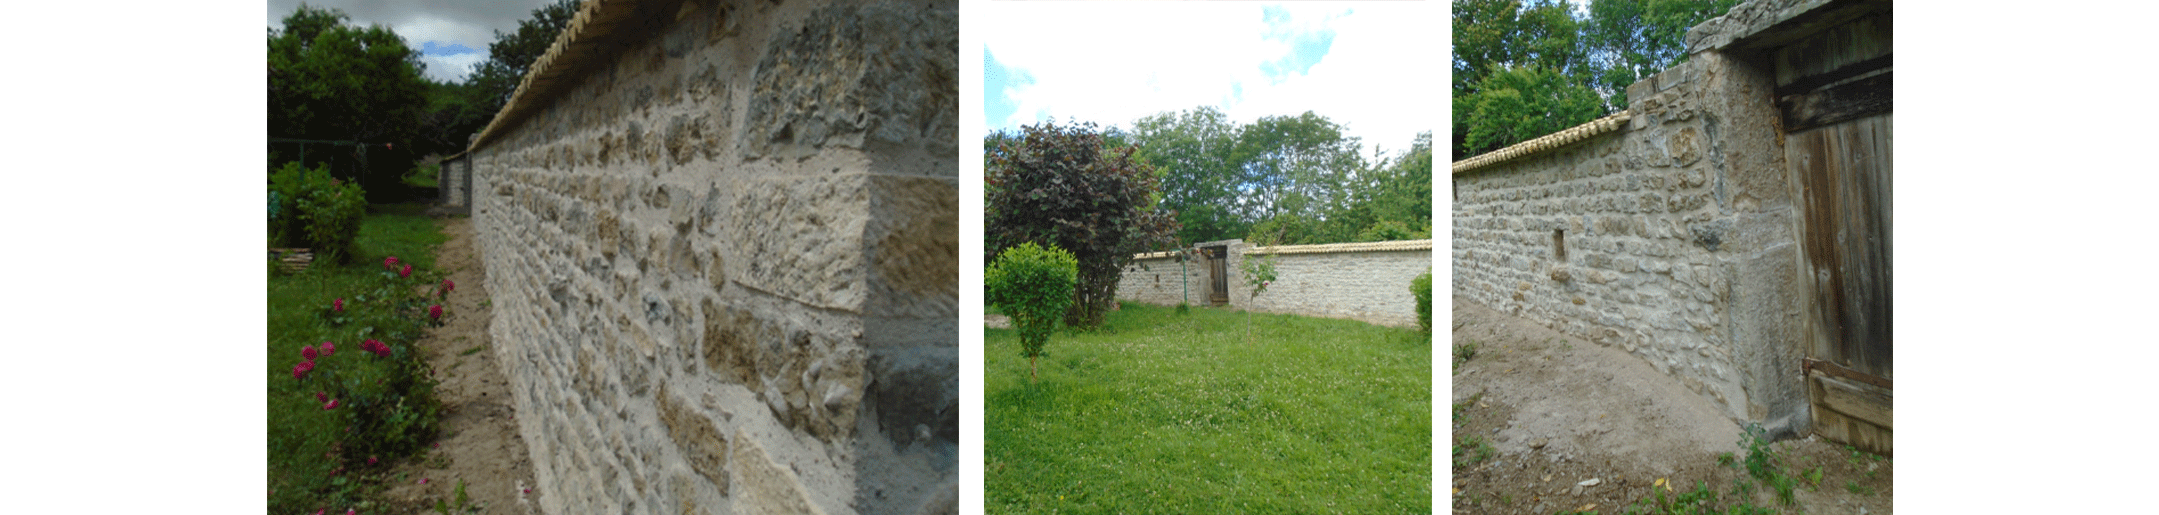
(1769, 23)
(1366, 246)
(1540, 144)
(596, 23)
(1327, 248)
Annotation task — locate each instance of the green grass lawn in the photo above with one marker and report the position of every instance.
(302, 478)
(1160, 413)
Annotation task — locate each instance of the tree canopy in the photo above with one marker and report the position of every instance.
(332, 80)
(1526, 69)
(1283, 179)
(1071, 187)
(512, 55)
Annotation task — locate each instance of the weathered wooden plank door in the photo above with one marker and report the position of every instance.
(1217, 275)
(1834, 102)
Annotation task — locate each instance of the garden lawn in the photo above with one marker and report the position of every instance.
(1164, 413)
(301, 432)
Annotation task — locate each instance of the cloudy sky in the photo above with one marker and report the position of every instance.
(451, 36)
(1373, 66)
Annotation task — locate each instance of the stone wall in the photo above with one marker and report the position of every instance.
(1670, 234)
(1360, 281)
(722, 242)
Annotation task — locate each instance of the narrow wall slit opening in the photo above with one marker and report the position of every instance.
(1559, 245)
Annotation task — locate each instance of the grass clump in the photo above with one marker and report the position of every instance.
(1176, 414)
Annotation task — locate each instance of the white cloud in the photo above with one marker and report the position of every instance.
(451, 68)
(422, 29)
(1114, 63)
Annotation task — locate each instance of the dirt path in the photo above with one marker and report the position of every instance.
(1538, 414)
(480, 444)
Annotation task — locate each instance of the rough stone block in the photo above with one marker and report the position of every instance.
(767, 487)
(825, 83)
(802, 238)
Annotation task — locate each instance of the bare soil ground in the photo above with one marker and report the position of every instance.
(480, 444)
(1545, 423)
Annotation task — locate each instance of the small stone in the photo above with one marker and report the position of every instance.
(1590, 482)
(1538, 443)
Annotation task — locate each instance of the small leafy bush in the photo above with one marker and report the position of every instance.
(424, 176)
(315, 210)
(1422, 288)
(1034, 286)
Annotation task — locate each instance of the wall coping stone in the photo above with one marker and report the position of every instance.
(590, 35)
(1540, 144)
(1324, 248)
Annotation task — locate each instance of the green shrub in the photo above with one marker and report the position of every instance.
(423, 176)
(1034, 286)
(1422, 288)
(1387, 230)
(316, 211)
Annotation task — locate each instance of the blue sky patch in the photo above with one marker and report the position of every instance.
(438, 48)
(1307, 48)
(997, 107)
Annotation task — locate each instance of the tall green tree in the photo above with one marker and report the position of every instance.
(1396, 201)
(1538, 42)
(1299, 165)
(512, 55)
(1517, 104)
(1069, 187)
(332, 80)
(1299, 174)
(1629, 40)
(1522, 69)
(1196, 151)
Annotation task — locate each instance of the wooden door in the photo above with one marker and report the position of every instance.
(1217, 275)
(1835, 106)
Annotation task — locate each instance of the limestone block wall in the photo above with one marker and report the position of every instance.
(722, 242)
(1361, 281)
(1668, 232)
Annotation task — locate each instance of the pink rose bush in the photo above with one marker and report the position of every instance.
(384, 401)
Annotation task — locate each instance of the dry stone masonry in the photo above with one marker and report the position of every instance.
(1360, 281)
(1674, 230)
(722, 241)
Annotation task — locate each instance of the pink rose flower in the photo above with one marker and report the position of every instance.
(302, 369)
(389, 263)
(308, 352)
(331, 406)
(424, 480)
(371, 460)
(446, 287)
(338, 306)
(434, 311)
(407, 272)
(322, 397)
(328, 348)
